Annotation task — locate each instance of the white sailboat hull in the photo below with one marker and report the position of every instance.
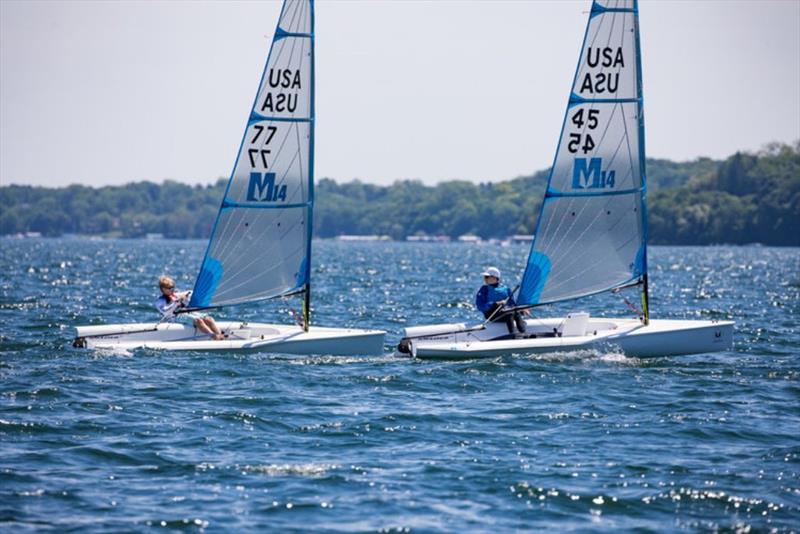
(241, 336)
(629, 336)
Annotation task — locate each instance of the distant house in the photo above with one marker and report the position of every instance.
(521, 238)
(469, 238)
(363, 238)
(428, 238)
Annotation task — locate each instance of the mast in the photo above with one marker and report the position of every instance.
(310, 212)
(642, 163)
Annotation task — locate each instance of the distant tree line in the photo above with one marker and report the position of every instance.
(746, 198)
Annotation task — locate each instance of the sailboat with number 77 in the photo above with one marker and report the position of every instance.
(591, 235)
(260, 246)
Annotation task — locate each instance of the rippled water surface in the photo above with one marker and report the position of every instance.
(218, 442)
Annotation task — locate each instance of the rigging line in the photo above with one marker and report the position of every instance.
(555, 170)
(578, 257)
(628, 142)
(257, 217)
(298, 151)
(612, 159)
(625, 243)
(243, 269)
(555, 246)
(279, 47)
(610, 35)
(306, 10)
(304, 22)
(271, 61)
(272, 216)
(251, 298)
(604, 287)
(551, 243)
(574, 258)
(290, 24)
(605, 282)
(600, 261)
(616, 151)
(608, 123)
(572, 224)
(624, 117)
(297, 6)
(577, 240)
(542, 231)
(597, 32)
(262, 295)
(300, 160)
(288, 131)
(592, 44)
(548, 244)
(231, 288)
(263, 253)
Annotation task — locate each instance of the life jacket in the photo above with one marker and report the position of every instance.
(496, 292)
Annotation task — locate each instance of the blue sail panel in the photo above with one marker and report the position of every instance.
(260, 243)
(592, 226)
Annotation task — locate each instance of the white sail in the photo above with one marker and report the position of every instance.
(591, 232)
(260, 246)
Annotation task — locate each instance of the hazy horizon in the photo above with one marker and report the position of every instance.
(114, 93)
(213, 181)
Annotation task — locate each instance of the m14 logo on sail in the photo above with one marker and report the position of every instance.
(282, 102)
(602, 82)
(591, 175)
(262, 188)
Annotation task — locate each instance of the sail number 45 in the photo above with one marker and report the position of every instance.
(581, 141)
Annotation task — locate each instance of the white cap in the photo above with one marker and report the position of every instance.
(492, 271)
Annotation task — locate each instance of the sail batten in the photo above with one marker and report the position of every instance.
(260, 244)
(591, 232)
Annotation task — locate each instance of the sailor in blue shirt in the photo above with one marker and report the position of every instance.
(493, 295)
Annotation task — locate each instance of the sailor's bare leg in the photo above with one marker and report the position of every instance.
(212, 326)
(200, 324)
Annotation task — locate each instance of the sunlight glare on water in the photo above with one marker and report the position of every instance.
(98, 441)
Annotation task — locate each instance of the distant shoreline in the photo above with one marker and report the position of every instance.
(746, 198)
(488, 243)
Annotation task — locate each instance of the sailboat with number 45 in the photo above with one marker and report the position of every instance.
(260, 246)
(591, 235)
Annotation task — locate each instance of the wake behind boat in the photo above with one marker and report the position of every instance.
(260, 246)
(591, 235)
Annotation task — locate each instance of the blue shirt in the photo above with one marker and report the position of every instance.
(489, 294)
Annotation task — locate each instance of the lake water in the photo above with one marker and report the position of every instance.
(149, 440)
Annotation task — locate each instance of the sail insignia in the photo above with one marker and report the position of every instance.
(260, 244)
(591, 231)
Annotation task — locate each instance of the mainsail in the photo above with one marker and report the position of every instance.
(591, 234)
(260, 245)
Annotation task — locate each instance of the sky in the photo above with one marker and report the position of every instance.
(110, 92)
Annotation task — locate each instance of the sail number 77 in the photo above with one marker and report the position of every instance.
(254, 153)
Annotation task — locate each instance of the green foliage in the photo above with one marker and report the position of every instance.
(744, 199)
(748, 198)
